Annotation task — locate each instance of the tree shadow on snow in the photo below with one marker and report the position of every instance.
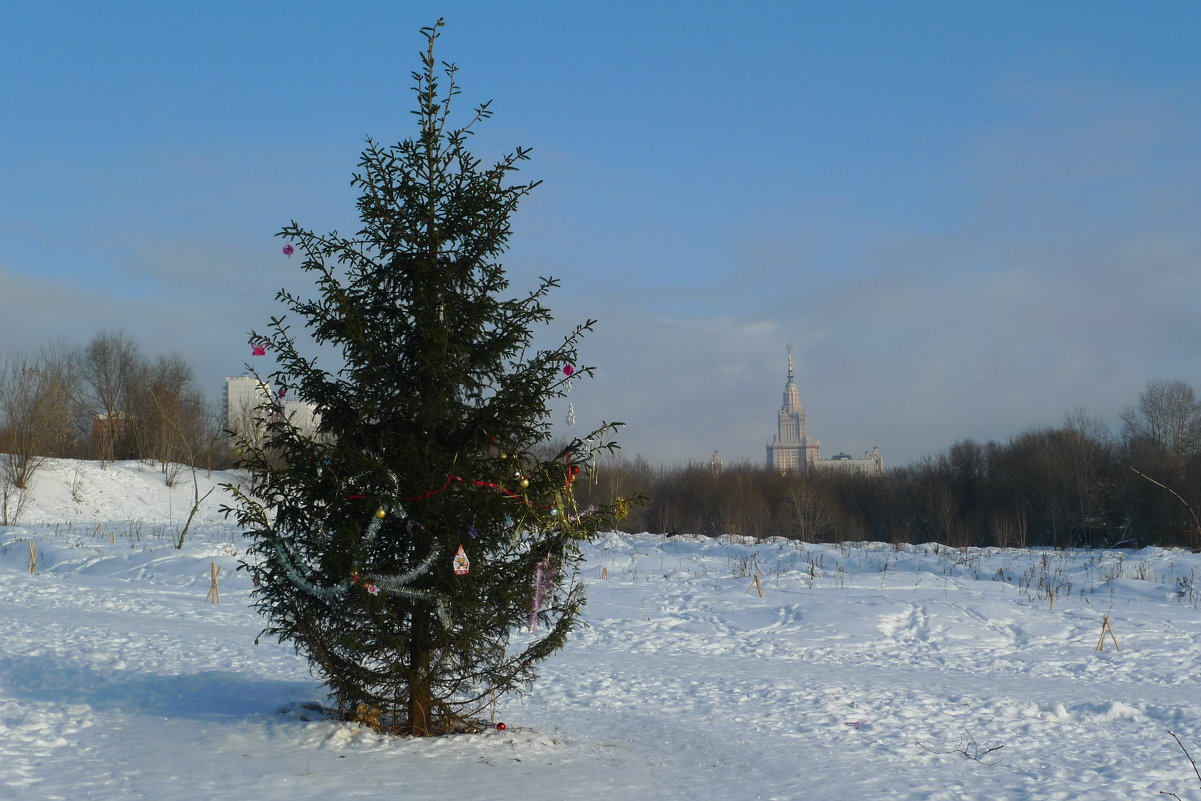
(207, 695)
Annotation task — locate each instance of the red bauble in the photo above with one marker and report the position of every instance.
(501, 726)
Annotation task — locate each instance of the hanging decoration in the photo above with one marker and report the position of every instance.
(289, 250)
(544, 580)
(258, 349)
(569, 370)
(461, 563)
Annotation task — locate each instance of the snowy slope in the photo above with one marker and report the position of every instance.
(863, 672)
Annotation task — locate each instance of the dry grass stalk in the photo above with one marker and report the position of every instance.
(214, 594)
(1104, 628)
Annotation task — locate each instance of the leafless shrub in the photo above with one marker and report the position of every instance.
(35, 411)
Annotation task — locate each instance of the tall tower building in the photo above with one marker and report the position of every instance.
(792, 450)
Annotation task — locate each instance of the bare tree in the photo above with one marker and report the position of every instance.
(107, 366)
(1168, 414)
(809, 513)
(169, 418)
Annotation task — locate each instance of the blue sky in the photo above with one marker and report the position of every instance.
(968, 218)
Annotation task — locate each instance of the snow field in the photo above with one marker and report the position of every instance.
(865, 671)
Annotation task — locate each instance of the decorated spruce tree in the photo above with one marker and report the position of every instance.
(421, 547)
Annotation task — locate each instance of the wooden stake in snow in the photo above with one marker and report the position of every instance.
(214, 596)
(604, 572)
(756, 585)
(1104, 628)
(33, 557)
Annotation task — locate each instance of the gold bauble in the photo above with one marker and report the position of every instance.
(621, 508)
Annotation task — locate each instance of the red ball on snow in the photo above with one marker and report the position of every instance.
(501, 726)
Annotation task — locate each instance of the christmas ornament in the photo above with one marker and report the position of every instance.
(380, 513)
(568, 370)
(525, 482)
(621, 508)
(373, 589)
(543, 581)
(257, 349)
(475, 534)
(281, 392)
(289, 250)
(501, 726)
(570, 414)
(461, 563)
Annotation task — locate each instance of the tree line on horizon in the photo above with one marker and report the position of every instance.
(1071, 485)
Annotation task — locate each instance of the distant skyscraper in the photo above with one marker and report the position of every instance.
(794, 451)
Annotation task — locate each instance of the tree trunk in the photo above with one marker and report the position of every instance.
(420, 695)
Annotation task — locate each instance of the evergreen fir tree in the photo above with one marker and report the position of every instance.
(432, 444)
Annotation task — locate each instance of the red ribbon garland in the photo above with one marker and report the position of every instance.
(465, 481)
(571, 476)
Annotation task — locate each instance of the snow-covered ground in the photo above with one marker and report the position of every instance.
(863, 672)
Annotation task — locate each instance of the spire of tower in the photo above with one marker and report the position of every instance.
(792, 398)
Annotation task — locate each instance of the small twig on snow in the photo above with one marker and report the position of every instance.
(1187, 754)
(975, 754)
